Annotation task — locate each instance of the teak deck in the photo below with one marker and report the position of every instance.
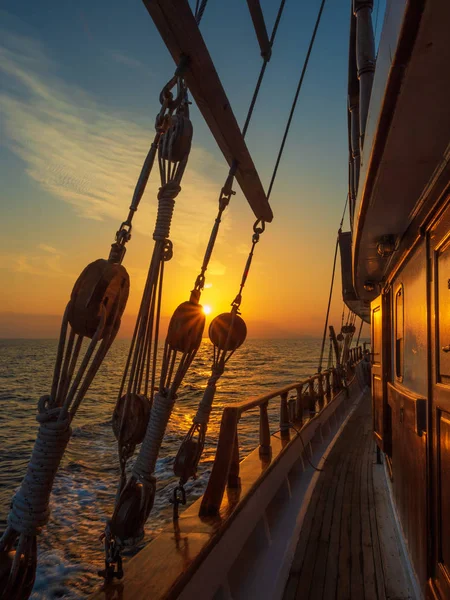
(348, 546)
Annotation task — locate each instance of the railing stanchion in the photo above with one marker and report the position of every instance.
(212, 498)
(284, 415)
(328, 386)
(234, 481)
(299, 406)
(321, 392)
(312, 393)
(264, 431)
(312, 396)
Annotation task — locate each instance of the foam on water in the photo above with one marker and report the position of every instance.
(70, 551)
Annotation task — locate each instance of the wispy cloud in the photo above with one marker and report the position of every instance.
(128, 61)
(89, 155)
(40, 263)
(50, 249)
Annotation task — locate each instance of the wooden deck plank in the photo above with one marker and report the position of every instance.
(396, 584)
(376, 551)
(179, 31)
(321, 574)
(339, 554)
(356, 562)
(332, 566)
(343, 588)
(308, 571)
(370, 584)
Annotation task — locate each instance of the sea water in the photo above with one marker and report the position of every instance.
(70, 550)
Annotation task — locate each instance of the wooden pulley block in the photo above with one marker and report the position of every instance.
(132, 510)
(134, 410)
(186, 327)
(98, 287)
(348, 329)
(179, 139)
(22, 585)
(226, 334)
(186, 460)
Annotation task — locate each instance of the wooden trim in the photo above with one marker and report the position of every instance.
(410, 28)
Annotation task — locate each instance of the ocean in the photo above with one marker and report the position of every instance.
(70, 550)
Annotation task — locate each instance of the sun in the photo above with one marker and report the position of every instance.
(207, 310)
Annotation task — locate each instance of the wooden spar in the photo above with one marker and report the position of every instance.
(259, 24)
(179, 31)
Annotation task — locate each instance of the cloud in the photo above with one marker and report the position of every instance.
(38, 264)
(49, 249)
(90, 156)
(128, 61)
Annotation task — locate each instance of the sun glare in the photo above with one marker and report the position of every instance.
(207, 310)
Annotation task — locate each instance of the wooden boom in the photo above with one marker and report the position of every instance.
(179, 31)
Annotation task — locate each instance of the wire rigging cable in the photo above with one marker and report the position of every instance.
(228, 331)
(297, 93)
(319, 369)
(132, 412)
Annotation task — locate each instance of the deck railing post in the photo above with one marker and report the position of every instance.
(328, 386)
(299, 406)
(264, 431)
(321, 392)
(336, 382)
(234, 481)
(212, 498)
(312, 396)
(284, 415)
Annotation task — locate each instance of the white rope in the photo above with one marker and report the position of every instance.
(166, 204)
(148, 452)
(205, 405)
(30, 506)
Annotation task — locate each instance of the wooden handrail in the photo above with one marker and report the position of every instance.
(316, 391)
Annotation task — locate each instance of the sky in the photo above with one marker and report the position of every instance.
(79, 89)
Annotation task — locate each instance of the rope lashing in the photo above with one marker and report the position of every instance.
(30, 506)
(189, 327)
(30, 509)
(330, 296)
(174, 132)
(190, 452)
(136, 496)
(94, 311)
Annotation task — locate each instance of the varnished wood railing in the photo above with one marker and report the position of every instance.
(309, 398)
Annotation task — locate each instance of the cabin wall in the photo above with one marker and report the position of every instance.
(407, 395)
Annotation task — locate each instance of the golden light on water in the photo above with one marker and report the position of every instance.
(207, 310)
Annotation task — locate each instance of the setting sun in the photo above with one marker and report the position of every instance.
(207, 310)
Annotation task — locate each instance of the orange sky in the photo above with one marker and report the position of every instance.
(74, 145)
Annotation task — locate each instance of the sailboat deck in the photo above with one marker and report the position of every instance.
(348, 547)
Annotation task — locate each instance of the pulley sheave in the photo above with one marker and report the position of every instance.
(97, 289)
(228, 331)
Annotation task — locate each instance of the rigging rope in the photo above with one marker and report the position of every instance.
(231, 325)
(319, 368)
(294, 103)
(94, 312)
